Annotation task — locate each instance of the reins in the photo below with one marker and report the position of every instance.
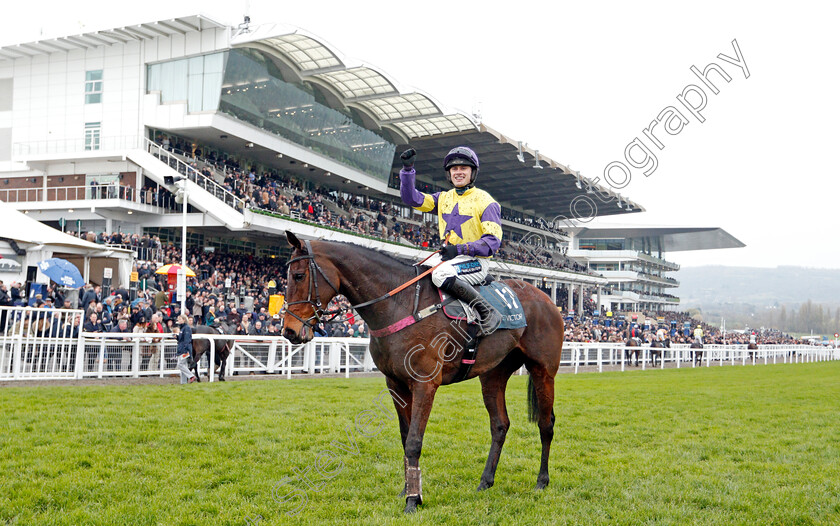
(319, 312)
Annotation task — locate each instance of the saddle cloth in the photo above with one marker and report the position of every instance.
(500, 296)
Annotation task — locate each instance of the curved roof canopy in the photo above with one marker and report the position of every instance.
(518, 176)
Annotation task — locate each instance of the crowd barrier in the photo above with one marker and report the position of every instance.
(46, 344)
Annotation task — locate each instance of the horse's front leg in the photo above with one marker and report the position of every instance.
(403, 407)
(423, 396)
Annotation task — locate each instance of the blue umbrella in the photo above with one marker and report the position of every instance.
(62, 272)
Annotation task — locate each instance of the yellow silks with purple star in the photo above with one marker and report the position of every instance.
(461, 215)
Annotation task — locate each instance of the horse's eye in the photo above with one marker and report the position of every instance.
(298, 276)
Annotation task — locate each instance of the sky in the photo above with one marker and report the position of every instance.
(580, 81)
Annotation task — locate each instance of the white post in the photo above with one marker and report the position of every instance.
(135, 358)
(80, 349)
(287, 352)
(576, 356)
(600, 360)
(162, 354)
(211, 367)
(347, 360)
(272, 356)
(101, 356)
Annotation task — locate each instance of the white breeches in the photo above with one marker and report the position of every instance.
(470, 269)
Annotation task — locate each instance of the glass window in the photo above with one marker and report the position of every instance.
(196, 81)
(92, 133)
(93, 86)
(254, 91)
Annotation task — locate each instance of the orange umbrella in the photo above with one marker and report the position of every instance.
(173, 269)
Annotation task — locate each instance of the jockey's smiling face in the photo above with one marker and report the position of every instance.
(461, 175)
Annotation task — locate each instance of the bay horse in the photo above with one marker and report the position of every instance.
(698, 352)
(752, 347)
(633, 349)
(656, 350)
(223, 347)
(419, 358)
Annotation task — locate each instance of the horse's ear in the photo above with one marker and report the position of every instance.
(293, 240)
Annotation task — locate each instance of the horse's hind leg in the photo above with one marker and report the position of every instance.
(222, 364)
(195, 364)
(543, 382)
(493, 384)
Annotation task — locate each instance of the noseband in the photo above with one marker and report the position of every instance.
(313, 288)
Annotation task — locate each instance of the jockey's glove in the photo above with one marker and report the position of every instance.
(448, 252)
(408, 157)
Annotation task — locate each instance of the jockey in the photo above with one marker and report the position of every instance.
(469, 219)
(634, 332)
(661, 334)
(752, 337)
(698, 334)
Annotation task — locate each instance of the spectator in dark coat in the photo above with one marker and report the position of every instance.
(93, 324)
(185, 350)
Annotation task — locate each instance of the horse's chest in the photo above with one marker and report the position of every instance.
(381, 358)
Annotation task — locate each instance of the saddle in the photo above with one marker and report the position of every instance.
(497, 294)
(501, 298)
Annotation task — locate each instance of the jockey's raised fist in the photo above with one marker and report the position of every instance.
(408, 157)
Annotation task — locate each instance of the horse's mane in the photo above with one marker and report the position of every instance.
(404, 261)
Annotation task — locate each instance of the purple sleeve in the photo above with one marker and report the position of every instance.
(493, 212)
(409, 194)
(486, 246)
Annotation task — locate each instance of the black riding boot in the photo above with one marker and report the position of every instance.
(489, 318)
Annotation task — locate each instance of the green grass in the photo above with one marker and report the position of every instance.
(722, 445)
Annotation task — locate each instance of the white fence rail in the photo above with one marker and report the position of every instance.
(48, 344)
(607, 355)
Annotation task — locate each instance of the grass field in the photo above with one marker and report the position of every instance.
(722, 445)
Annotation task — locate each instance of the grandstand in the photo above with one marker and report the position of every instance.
(273, 131)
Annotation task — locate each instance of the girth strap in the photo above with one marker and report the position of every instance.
(408, 320)
(470, 352)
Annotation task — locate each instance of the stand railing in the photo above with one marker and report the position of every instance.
(207, 183)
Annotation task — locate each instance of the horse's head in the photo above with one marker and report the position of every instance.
(312, 281)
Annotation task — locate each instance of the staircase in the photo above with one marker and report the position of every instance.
(203, 192)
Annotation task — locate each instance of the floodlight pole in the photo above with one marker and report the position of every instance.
(183, 269)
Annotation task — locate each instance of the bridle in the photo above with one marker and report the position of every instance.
(317, 306)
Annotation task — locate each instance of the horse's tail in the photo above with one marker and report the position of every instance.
(533, 409)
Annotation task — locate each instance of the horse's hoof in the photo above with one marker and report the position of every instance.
(541, 484)
(221, 378)
(411, 504)
(483, 485)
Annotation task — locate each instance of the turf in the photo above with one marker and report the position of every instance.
(722, 445)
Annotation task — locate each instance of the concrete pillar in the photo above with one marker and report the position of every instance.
(554, 292)
(580, 301)
(109, 225)
(570, 289)
(599, 301)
